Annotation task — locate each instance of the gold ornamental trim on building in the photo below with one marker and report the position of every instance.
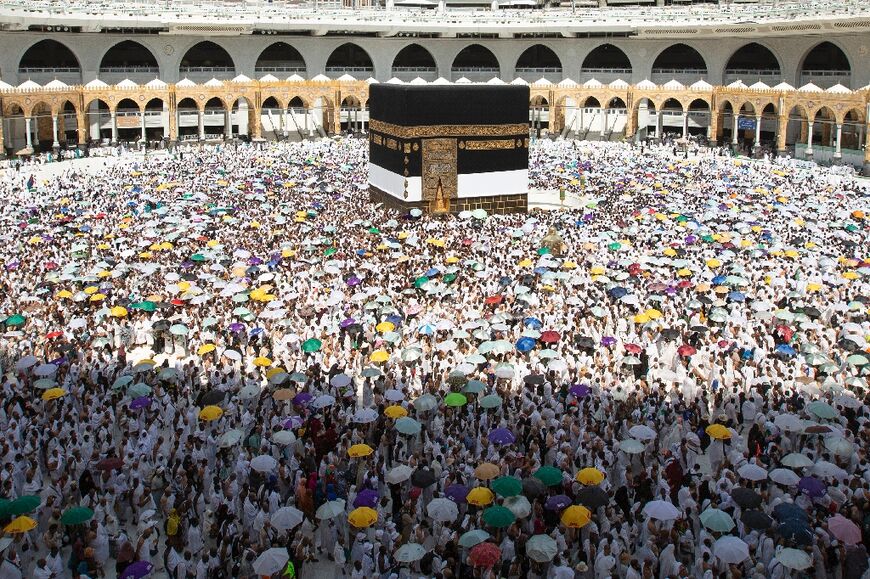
(428, 131)
(491, 145)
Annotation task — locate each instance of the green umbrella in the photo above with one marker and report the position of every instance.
(374, 230)
(507, 486)
(24, 504)
(455, 399)
(312, 345)
(76, 516)
(498, 517)
(407, 425)
(479, 214)
(145, 306)
(490, 401)
(549, 475)
(544, 251)
(821, 409)
(138, 390)
(472, 538)
(329, 251)
(197, 257)
(421, 281)
(4, 508)
(614, 246)
(15, 320)
(717, 520)
(857, 360)
(449, 278)
(474, 387)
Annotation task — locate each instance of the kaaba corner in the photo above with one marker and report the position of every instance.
(450, 148)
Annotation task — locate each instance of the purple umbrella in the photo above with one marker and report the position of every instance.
(502, 436)
(608, 341)
(137, 570)
(302, 398)
(579, 391)
(456, 493)
(558, 502)
(237, 327)
(292, 422)
(141, 402)
(255, 261)
(366, 498)
(353, 280)
(347, 323)
(812, 486)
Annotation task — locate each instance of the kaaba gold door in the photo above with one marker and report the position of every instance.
(439, 174)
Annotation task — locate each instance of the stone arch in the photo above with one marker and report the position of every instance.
(156, 119)
(243, 120)
(853, 125)
(413, 61)
(48, 53)
(282, 58)
(605, 59)
(271, 102)
(590, 102)
(297, 101)
(127, 103)
(539, 61)
(128, 56)
(753, 62)
(352, 59)
(476, 61)
(207, 58)
(825, 64)
(678, 59)
(644, 113)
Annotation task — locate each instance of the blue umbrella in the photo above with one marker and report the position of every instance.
(504, 281)
(785, 350)
(540, 270)
(812, 486)
(797, 531)
(737, 297)
(617, 292)
(718, 280)
(502, 436)
(533, 323)
(525, 344)
(432, 272)
(784, 511)
(558, 502)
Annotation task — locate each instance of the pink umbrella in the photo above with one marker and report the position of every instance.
(844, 530)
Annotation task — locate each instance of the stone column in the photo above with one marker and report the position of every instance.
(809, 151)
(28, 131)
(81, 129)
(201, 126)
(54, 142)
(659, 122)
(142, 128)
(866, 169)
(285, 122)
(2, 136)
(685, 124)
(736, 122)
(228, 125)
(114, 127)
(781, 132)
(838, 151)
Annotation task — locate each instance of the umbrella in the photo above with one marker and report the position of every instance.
(425, 403)
(330, 509)
(812, 486)
(286, 518)
(76, 516)
(593, 497)
(399, 474)
(549, 475)
(844, 530)
(271, 561)
(484, 555)
(642, 432)
(631, 446)
(410, 552)
(475, 537)
(519, 506)
(442, 510)
(785, 511)
(541, 548)
(110, 463)
(360, 450)
(457, 493)
(490, 401)
(395, 411)
(264, 463)
(366, 498)
(507, 486)
(24, 504)
(718, 431)
(590, 476)
(423, 477)
(756, 520)
(501, 436)
(784, 476)
(746, 498)
(576, 516)
(822, 410)
(796, 460)
(486, 471)
(365, 415)
(557, 502)
(20, 524)
(363, 517)
(661, 510)
(498, 517)
(408, 426)
(533, 487)
(312, 345)
(210, 413)
(794, 558)
(480, 497)
(796, 530)
(136, 570)
(455, 399)
(717, 520)
(731, 550)
(752, 472)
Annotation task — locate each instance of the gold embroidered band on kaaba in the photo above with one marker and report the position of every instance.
(427, 131)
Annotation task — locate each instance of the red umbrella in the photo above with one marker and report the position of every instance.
(484, 555)
(112, 463)
(844, 529)
(633, 348)
(785, 332)
(685, 284)
(493, 300)
(177, 302)
(634, 269)
(550, 337)
(53, 335)
(686, 350)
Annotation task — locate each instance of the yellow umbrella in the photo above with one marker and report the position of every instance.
(395, 411)
(272, 371)
(487, 471)
(590, 476)
(714, 263)
(670, 252)
(480, 497)
(569, 265)
(380, 356)
(576, 516)
(119, 312)
(148, 361)
(385, 327)
(597, 270)
(525, 263)
(262, 362)
(205, 349)
(360, 450)
(210, 413)
(183, 285)
(850, 275)
(451, 260)
(435, 242)
(641, 319)
(91, 290)
(53, 394)
(702, 287)
(363, 517)
(98, 297)
(104, 273)
(813, 287)
(20, 524)
(685, 272)
(718, 431)
(287, 253)
(653, 314)
(64, 294)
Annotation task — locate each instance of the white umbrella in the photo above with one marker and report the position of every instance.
(394, 395)
(794, 558)
(731, 549)
(541, 548)
(286, 518)
(25, 362)
(264, 463)
(519, 506)
(784, 476)
(752, 472)
(45, 370)
(232, 355)
(823, 468)
(839, 445)
(661, 510)
(399, 474)
(271, 561)
(330, 509)
(796, 460)
(410, 552)
(340, 380)
(230, 438)
(442, 510)
(323, 401)
(425, 402)
(642, 432)
(789, 422)
(284, 438)
(365, 415)
(631, 446)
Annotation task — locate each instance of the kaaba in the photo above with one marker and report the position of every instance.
(450, 148)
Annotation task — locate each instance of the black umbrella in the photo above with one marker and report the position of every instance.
(797, 531)
(211, 397)
(422, 478)
(161, 325)
(593, 497)
(456, 378)
(534, 379)
(700, 329)
(848, 345)
(533, 487)
(670, 334)
(585, 342)
(746, 498)
(756, 520)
